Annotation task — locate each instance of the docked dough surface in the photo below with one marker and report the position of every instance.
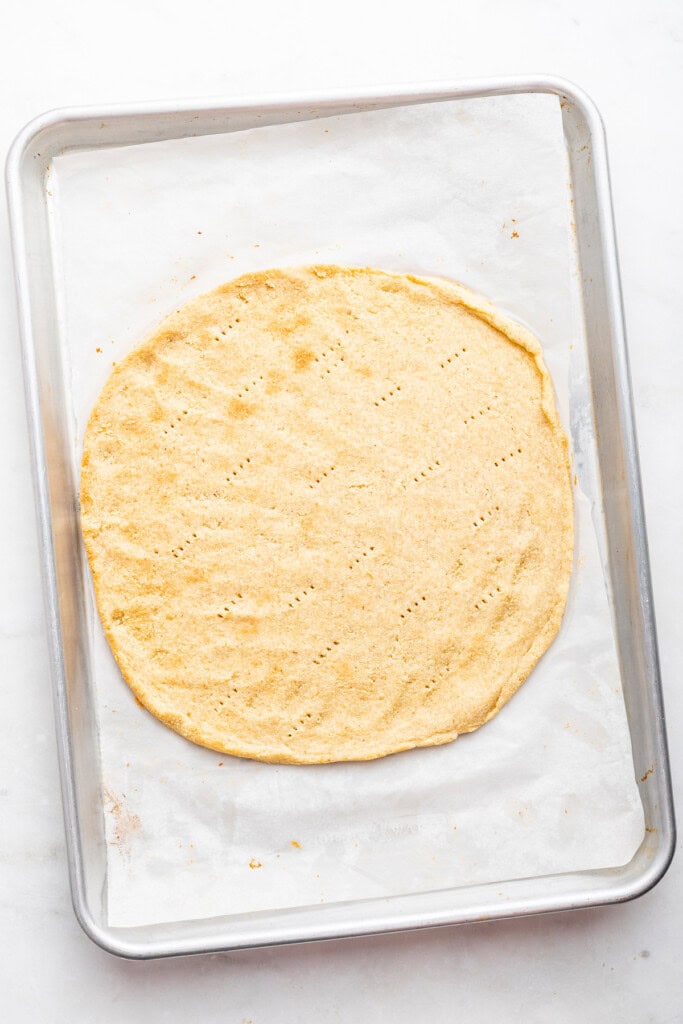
(328, 514)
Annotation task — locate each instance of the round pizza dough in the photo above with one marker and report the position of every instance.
(328, 514)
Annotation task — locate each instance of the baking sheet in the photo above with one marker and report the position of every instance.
(476, 190)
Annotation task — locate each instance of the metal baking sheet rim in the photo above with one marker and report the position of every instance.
(29, 156)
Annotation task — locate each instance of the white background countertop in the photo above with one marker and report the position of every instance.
(617, 964)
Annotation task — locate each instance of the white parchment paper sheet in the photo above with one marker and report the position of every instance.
(474, 190)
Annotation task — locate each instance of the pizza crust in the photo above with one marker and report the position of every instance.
(328, 514)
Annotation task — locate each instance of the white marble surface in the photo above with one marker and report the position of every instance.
(619, 964)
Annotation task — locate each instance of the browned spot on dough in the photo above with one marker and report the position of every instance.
(309, 524)
(146, 355)
(167, 338)
(302, 358)
(138, 701)
(247, 625)
(253, 863)
(293, 324)
(275, 380)
(293, 842)
(365, 371)
(240, 410)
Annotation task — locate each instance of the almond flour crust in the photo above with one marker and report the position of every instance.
(328, 514)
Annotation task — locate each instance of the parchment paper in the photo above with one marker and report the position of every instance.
(474, 190)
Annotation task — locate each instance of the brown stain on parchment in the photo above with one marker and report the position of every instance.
(126, 823)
